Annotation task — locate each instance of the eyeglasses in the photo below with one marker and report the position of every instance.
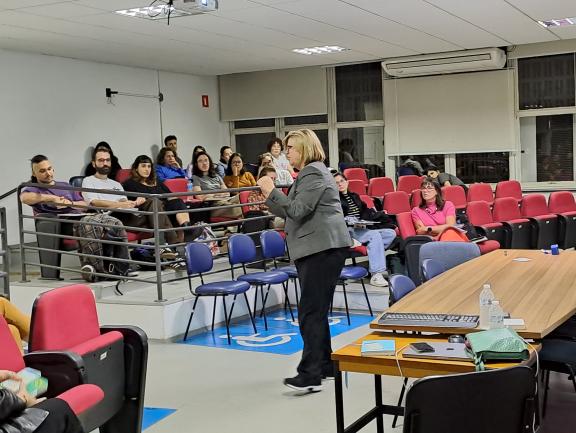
(427, 187)
(237, 162)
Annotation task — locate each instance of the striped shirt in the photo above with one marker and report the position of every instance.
(353, 210)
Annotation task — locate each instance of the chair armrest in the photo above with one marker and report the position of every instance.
(135, 357)
(64, 370)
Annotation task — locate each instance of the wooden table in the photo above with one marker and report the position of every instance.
(541, 291)
(350, 359)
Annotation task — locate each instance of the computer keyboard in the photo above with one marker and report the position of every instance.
(429, 320)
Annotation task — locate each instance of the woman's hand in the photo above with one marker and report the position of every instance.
(8, 375)
(266, 185)
(27, 398)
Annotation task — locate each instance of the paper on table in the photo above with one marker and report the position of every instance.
(514, 323)
(522, 259)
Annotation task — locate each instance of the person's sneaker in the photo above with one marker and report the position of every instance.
(87, 272)
(178, 266)
(378, 280)
(131, 273)
(300, 383)
(167, 254)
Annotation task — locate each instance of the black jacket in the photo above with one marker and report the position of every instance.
(15, 418)
(367, 213)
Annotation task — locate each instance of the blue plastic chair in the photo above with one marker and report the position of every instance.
(198, 261)
(242, 250)
(431, 268)
(400, 286)
(353, 273)
(273, 247)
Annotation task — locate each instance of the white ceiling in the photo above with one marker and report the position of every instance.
(251, 35)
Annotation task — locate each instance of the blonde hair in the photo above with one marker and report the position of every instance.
(306, 142)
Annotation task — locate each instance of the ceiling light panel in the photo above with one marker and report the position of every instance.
(327, 49)
(158, 12)
(561, 22)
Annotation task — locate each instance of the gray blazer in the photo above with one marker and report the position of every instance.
(314, 218)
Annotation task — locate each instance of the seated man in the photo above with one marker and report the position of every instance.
(50, 201)
(376, 240)
(444, 179)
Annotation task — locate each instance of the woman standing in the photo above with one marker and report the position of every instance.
(318, 241)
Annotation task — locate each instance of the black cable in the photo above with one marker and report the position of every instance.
(170, 3)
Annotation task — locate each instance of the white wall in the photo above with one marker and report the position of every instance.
(57, 106)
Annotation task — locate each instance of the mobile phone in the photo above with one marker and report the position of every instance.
(422, 347)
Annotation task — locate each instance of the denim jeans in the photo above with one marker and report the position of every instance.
(378, 240)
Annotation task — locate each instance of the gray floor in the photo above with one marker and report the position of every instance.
(219, 390)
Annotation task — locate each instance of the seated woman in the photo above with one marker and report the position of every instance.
(236, 176)
(190, 167)
(143, 179)
(167, 167)
(90, 170)
(21, 412)
(377, 240)
(279, 160)
(18, 322)
(205, 179)
(434, 215)
(283, 177)
(256, 196)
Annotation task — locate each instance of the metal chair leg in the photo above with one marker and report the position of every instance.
(400, 400)
(214, 312)
(366, 296)
(287, 300)
(263, 311)
(296, 293)
(250, 312)
(190, 318)
(226, 320)
(346, 302)
(546, 385)
(232, 308)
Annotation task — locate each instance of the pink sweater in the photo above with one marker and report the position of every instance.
(430, 216)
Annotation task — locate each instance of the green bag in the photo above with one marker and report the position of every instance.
(501, 344)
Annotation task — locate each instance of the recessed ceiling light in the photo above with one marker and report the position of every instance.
(320, 50)
(562, 22)
(158, 12)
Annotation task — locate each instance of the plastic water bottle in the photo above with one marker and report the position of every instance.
(486, 298)
(189, 187)
(496, 315)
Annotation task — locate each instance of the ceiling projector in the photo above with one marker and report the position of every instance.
(196, 6)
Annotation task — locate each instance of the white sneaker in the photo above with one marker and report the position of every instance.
(87, 272)
(378, 280)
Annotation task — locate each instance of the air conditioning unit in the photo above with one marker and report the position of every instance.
(446, 63)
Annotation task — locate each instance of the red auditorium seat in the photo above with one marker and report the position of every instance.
(357, 173)
(415, 198)
(480, 216)
(456, 195)
(357, 186)
(243, 197)
(114, 357)
(409, 183)
(177, 185)
(368, 201)
(480, 192)
(518, 229)
(544, 223)
(562, 204)
(65, 374)
(123, 175)
(509, 188)
(380, 186)
(396, 202)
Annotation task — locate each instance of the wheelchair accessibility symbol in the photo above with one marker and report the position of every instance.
(332, 321)
(255, 341)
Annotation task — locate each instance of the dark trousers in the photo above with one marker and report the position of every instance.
(61, 419)
(318, 275)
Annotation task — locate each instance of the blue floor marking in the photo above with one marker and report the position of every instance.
(154, 414)
(282, 337)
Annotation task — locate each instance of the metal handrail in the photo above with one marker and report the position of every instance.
(5, 254)
(156, 231)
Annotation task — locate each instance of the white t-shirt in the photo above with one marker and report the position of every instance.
(103, 184)
(281, 162)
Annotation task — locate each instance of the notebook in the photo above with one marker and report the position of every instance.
(378, 347)
(442, 351)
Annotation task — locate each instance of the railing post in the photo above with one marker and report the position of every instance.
(6, 257)
(23, 278)
(155, 208)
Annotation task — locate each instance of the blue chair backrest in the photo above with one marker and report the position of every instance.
(272, 244)
(400, 286)
(76, 181)
(431, 268)
(241, 249)
(449, 254)
(198, 258)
